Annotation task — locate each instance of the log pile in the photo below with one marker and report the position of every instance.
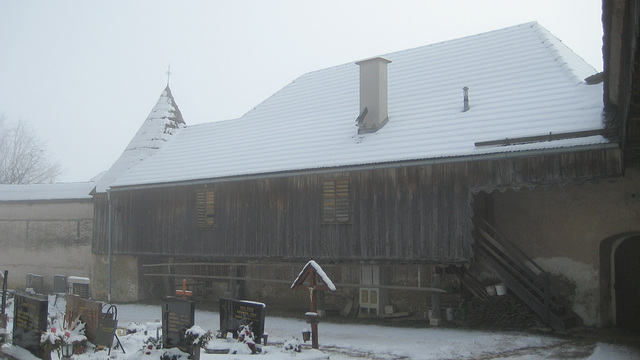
(500, 312)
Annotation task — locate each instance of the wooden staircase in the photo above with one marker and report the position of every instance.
(523, 277)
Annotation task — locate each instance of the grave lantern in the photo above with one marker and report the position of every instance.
(67, 350)
(312, 271)
(306, 335)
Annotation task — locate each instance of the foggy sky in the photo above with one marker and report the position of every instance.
(85, 74)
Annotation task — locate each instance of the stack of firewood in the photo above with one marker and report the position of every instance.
(500, 312)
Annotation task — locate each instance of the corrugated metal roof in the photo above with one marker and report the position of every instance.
(161, 124)
(523, 82)
(38, 192)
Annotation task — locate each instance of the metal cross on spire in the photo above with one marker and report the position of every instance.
(168, 74)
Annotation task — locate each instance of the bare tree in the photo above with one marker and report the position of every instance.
(22, 159)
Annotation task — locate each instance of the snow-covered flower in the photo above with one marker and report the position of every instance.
(197, 336)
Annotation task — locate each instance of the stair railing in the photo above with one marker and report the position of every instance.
(503, 247)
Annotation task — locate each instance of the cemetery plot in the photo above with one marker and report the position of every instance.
(105, 332)
(30, 321)
(178, 316)
(234, 313)
(90, 313)
(59, 284)
(79, 286)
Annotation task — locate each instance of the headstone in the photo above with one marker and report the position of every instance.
(234, 313)
(35, 282)
(79, 286)
(30, 321)
(90, 313)
(178, 315)
(105, 333)
(59, 284)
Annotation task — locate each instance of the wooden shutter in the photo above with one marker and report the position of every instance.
(335, 206)
(205, 201)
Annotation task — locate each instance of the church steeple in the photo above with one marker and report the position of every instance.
(164, 120)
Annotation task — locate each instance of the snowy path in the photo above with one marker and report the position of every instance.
(358, 341)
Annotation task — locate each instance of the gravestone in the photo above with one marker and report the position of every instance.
(79, 286)
(105, 332)
(234, 313)
(90, 313)
(59, 284)
(30, 321)
(178, 315)
(35, 282)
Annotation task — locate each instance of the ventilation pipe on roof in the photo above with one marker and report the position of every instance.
(374, 110)
(466, 99)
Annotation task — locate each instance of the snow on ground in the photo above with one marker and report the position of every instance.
(348, 341)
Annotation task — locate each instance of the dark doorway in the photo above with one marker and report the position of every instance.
(627, 284)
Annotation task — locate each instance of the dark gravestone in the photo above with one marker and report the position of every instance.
(89, 311)
(178, 316)
(234, 313)
(30, 321)
(105, 333)
(59, 284)
(35, 282)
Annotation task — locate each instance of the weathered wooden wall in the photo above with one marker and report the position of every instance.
(413, 214)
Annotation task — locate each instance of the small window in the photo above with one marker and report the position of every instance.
(364, 296)
(205, 214)
(335, 206)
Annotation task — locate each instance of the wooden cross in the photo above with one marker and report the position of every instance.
(309, 272)
(184, 292)
(168, 74)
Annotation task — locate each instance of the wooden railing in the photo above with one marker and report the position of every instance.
(523, 276)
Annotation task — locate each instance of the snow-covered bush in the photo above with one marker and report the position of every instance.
(291, 345)
(196, 336)
(150, 344)
(174, 354)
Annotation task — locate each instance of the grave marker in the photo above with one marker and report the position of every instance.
(79, 286)
(59, 284)
(178, 316)
(313, 272)
(35, 282)
(234, 313)
(184, 292)
(105, 332)
(90, 313)
(30, 321)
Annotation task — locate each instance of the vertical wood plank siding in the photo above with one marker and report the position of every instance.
(418, 213)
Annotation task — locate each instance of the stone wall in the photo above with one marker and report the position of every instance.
(561, 228)
(46, 238)
(125, 274)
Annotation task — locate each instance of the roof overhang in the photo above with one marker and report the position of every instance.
(375, 166)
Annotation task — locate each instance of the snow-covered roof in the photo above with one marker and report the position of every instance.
(320, 273)
(163, 122)
(522, 82)
(41, 192)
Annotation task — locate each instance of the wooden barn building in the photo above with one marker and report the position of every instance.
(500, 157)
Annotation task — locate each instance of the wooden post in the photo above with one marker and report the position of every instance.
(435, 318)
(314, 308)
(4, 295)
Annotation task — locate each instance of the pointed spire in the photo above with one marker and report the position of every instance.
(163, 121)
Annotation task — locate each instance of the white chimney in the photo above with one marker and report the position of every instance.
(374, 110)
